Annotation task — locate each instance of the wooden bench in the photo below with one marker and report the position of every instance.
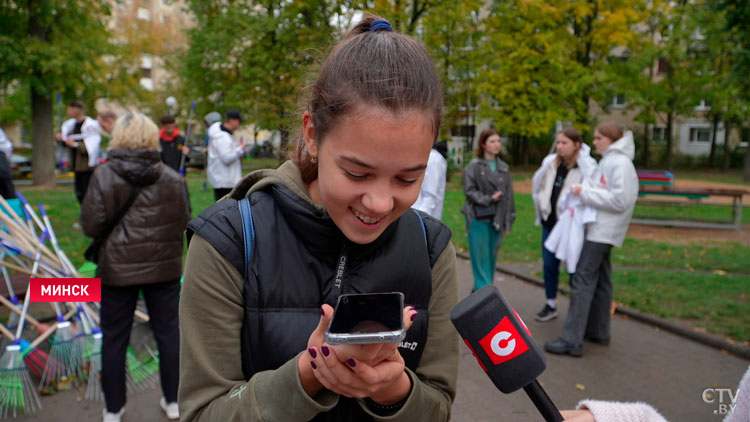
(694, 195)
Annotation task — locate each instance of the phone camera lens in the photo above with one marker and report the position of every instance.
(344, 300)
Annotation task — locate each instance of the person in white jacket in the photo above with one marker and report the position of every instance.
(559, 171)
(432, 192)
(224, 155)
(82, 136)
(612, 192)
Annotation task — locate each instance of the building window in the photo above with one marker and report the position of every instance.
(145, 73)
(146, 61)
(703, 105)
(618, 101)
(663, 66)
(659, 134)
(700, 134)
(464, 131)
(144, 14)
(147, 84)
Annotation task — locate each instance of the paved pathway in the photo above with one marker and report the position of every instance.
(641, 363)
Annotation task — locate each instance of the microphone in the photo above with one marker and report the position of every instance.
(503, 346)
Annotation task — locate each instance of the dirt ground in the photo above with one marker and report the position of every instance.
(678, 235)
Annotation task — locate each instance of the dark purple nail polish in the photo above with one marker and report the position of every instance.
(413, 317)
(314, 366)
(411, 308)
(312, 352)
(351, 362)
(322, 312)
(325, 350)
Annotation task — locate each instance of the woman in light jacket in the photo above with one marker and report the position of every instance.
(612, 192)
(558, 172)
(490, 209)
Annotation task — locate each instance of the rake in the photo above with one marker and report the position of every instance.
(17, 392)
(66, 351)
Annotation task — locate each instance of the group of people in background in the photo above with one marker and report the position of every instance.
(584, 210)
(136, 203)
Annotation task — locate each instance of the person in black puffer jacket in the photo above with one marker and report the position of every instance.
(142, 253)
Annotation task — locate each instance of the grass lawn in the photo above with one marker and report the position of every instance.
(706, 284)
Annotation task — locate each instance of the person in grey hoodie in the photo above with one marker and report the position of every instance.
(612, 192)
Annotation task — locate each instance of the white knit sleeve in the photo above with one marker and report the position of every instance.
(612, 411)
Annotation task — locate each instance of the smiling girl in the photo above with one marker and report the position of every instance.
(334, 219)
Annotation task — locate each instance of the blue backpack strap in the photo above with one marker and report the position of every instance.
(424, 230)
(247, 229)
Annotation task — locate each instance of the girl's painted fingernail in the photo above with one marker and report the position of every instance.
(322, 312)
(314, 366)
(413, 316)
(325, 350)
(312, 352)
(351, 362)
(411, 308)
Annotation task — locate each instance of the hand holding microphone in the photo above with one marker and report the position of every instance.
(503, 346)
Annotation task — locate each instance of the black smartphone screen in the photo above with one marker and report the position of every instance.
(368, 313)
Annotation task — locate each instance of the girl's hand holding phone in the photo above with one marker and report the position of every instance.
(356, 370)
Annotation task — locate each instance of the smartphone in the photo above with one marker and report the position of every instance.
(367, 318)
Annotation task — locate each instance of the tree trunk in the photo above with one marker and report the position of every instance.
(42, 140)
(284, 143)
(42, 137)
(746, 171)
(725, 166)
(714, 129)
(525, 141)
(668, 156)
(645, 147)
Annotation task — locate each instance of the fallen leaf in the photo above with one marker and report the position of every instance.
(580, 387)
(720, 272)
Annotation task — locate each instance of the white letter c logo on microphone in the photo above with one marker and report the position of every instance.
(503, 342)
(495, 344)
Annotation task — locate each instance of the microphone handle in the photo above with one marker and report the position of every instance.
(542, 402)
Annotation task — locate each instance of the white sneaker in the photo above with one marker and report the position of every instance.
(112, 417)
(171, 409)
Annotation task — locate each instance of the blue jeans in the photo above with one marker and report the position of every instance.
(484, 242)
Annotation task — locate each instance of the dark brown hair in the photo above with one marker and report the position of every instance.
(483, 140)
(77, 104)
(612, 131)
(381, 69)
(574, 135)
(167, 119)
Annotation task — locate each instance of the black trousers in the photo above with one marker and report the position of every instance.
(590, 295)
(82, 179)
(221, 192)
(118, 305)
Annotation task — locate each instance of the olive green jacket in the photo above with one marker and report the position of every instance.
(212, 385)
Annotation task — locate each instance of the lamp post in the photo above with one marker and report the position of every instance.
(171, 104)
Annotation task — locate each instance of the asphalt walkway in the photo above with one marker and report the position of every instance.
(641, 364)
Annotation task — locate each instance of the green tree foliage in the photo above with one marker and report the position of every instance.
(528, 79)
(452, 32)
(47, 46)
(737, 20)
(256, 56)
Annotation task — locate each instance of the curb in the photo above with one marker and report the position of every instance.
(703, 338)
